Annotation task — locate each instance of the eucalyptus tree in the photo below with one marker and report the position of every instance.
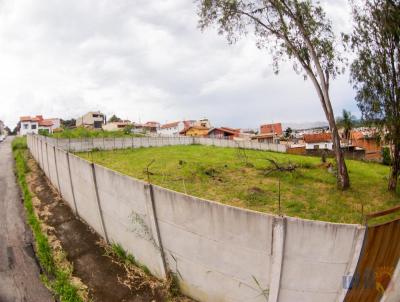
(376, 70)
(294, 29)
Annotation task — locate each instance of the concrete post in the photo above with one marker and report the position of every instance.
(58, 179)
(48, 165)
(100, 212)
(72, 185)
(151, 212)
(41, 151)
(278, 248)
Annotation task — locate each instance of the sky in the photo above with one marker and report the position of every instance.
(147, 60)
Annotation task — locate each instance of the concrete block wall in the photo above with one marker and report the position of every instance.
(218, 252)
(87, 144)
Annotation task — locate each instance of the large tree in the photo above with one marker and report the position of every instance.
(295, 29)
(376, 70)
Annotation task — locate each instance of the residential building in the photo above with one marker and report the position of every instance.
(205, 123)
(195, 131)
(151, 127)
(1, 127)
(270, 138)
(275, 129)
(32, 125)
(115, 126)
(93, 119)
(223, 133)
(173, 129)
(367, 140)
(318, 141)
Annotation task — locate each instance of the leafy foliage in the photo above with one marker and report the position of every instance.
(375, 72)
(289, 29)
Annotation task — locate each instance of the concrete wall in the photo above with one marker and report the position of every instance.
(218, 252)
(87, 144)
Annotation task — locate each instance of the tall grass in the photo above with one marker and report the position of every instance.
(56, 278)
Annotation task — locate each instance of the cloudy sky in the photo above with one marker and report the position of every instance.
(146, 60)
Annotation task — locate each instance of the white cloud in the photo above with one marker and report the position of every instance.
(148, 60)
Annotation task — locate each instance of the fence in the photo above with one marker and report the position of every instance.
(218, 252)
(87, 144)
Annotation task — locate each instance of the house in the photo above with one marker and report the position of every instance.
(271, 128)
(115, 126)
(318, 141)
(205, 123)
(151, 127)
(195, 131)
(93, 120)
(173, 129)
(32, 125)
(223, 133)
(367, 140)
(269, 138)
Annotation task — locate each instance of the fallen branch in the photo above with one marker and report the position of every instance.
(279, 167)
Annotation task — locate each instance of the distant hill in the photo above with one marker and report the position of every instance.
(305, 125)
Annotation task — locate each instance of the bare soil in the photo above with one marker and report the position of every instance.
(106, 278)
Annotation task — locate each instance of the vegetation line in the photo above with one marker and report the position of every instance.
(55, 277)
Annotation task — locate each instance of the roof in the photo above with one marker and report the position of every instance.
(193, 127)
(317, 137)
(46, 123)
(363, 135)
(225, 129)
(28, 118)
(266, 135)
(170, 125)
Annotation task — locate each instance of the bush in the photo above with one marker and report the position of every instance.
(386, 159)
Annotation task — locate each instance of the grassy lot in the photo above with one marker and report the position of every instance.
(238, 178)
(81, 132)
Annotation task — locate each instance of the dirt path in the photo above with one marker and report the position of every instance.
(19, 272)
(107, 280)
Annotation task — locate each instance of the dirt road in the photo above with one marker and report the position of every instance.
(19, 272)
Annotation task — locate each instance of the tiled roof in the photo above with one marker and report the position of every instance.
(46, 123)
(169, 125)
(317, 137)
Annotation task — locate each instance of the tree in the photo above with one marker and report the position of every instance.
(375, 72)
(288, 132)
(68, 123)
(114, 119)
(298, 30)
(347, 122)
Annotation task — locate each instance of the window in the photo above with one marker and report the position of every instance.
(316, 147)
(25, 126)
(33, 127)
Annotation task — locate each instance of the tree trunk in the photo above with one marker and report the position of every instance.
(343, 180)
(395, 170)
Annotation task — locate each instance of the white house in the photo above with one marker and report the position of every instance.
(32, 125)
(318, 141)
(173, 129)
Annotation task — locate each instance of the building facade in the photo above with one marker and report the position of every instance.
(93, 120)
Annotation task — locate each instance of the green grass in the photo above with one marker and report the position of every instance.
(224, 175)
(118, 251)
(57, 279)
(81, 132)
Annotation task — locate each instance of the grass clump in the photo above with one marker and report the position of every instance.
(119, 252)
(57, 279)
(221, 175)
